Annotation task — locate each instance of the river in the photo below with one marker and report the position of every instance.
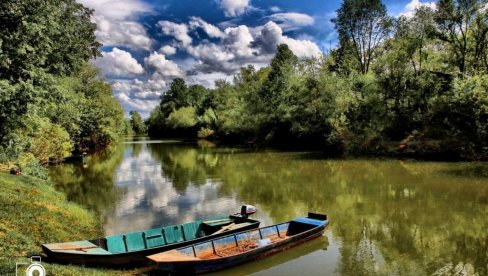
(399, 217)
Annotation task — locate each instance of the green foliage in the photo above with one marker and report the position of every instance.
(51, 141)
(362, 25)
(29, 165)
(55, 36)
(463, 26)
(51, 99)
(184, 117)
(462, 115)
(138, 126)
(376, 94)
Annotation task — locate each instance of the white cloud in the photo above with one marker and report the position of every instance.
(164, 68)
(116, 22)
(232, 52)
(122, 33)
(275, 9)
(238, 46)
(178, 31)
(292, 20)
(271, 35)
(138, 95)
(144, 107)
(117, 10)
(208, 80)
(234, 8)
(118, 63)
(410, 8)
(211, 30)
(167, 50)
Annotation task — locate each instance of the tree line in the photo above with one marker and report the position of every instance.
(52, 101)
(416, 85)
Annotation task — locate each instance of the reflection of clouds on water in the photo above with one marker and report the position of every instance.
(149, 199)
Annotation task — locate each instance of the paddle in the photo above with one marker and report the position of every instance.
(225, 228)
(215, 221)
(73, 247)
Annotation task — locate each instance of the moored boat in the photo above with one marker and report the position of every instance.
(131, 249)
(231, 250)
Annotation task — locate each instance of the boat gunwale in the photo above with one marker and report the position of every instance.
(275, 244)
(121, 254)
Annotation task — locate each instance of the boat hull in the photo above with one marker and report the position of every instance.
(129, 259)
(210, 265)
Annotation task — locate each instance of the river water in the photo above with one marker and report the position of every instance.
(387, 217)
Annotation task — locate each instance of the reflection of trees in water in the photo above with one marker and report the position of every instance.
(93, 185)
(184, 165)
(408, 218)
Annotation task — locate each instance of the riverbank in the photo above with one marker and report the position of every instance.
(32, 213)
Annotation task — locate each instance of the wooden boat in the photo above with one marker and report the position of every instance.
(231, 250)
(131, 249)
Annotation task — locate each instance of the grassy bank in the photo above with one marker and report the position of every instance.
(32, 212)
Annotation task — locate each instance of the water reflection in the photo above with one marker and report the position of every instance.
(387, 217)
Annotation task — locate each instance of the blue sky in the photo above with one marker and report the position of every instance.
(147, 43)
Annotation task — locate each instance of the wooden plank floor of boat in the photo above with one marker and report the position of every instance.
(171, 256)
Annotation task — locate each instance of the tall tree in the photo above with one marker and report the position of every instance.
(137, 124)
(364, 24)
(175, 97)
(54, 36)
(463, 26)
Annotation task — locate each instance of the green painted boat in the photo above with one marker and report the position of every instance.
(131, 249)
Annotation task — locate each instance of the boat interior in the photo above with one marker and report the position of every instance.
(238, 243)
(141, 240)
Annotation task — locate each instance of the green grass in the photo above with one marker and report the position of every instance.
(32, 212)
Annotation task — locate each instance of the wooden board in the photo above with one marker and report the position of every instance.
(172, 256)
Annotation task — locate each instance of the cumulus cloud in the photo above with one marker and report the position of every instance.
(167, 50)
(178, 31)
(271, 35)
(208, 79)
(144, 107)
(210, 30)
(275, 9)
(238, 46)
(234, 8)
(232, 52)
(118, 63)
(116, 22)
(117, 10)
(122, 33)
(410, 8)
(292, 20)
(163, 68)
(141, 96)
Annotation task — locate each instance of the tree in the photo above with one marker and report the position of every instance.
(54, 36)
(463, 26)
(175, 97)
(137, 124)
(364, 24)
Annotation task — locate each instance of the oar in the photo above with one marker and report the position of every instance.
(225, 228)
(73, 247)
(216, 220)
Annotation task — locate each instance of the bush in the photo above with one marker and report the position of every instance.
(184, 117)
(462, 114)
(205, 133)
(29, 165)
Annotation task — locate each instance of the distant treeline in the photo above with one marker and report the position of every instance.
(416, 85)
(52, 101)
